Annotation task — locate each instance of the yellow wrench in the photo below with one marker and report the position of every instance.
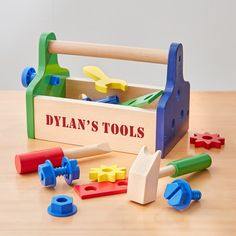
(102, 81)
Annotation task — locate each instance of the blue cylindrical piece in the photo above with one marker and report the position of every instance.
(27, 76)
(180, 194)
(60, 171)
(54, 80)
(196, 195)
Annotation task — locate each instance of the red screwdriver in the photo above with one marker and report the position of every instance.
(28, 162)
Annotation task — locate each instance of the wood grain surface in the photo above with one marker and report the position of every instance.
(24, 201)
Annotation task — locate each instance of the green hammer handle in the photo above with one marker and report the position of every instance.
(191, 164)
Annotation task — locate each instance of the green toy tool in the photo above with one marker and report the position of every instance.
(185, 166)
(143, 100)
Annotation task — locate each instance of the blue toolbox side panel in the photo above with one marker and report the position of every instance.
(173, 108)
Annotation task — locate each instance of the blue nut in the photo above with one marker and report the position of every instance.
(47, 173)
(71, 170)
(180, 194)
(62, 206)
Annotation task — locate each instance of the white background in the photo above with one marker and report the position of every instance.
(206, 28)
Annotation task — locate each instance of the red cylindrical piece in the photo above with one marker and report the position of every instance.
(28, 162)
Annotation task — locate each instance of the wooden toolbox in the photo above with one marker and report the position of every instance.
(55, 112)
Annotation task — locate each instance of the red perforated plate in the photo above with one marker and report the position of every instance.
(95, 189)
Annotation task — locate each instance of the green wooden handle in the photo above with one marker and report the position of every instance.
(191, 164)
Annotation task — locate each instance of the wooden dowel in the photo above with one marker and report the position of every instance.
(88, 150)
(166, 171)
(108, 51)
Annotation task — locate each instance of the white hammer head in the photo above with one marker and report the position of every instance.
(143, 177)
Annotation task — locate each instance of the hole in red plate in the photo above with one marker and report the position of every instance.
(122, 183)
(206, 137)
(90, 188)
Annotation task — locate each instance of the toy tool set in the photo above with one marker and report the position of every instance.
(125, 117)
(55, 113)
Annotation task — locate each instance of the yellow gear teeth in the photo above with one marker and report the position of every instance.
(107, 173)
(102, 81)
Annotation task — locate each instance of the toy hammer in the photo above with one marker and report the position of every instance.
(28, 162)
(145, 171)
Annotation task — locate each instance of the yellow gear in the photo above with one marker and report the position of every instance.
(107, 173)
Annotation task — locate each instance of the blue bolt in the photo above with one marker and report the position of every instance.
(180, 194)
(47, 173)
(54, 80)
(27, 76)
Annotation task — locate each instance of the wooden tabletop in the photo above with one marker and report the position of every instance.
(24, 201)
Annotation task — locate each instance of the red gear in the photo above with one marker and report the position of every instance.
(207, 140)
